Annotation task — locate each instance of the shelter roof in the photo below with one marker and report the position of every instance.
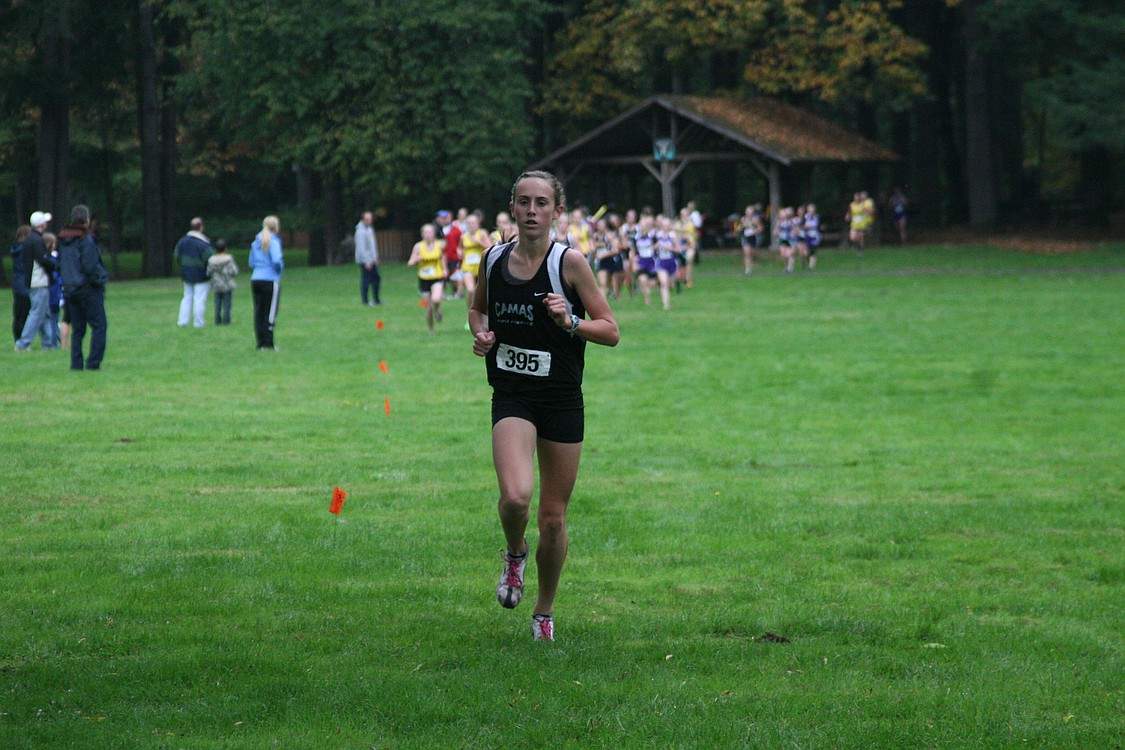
(776, 130)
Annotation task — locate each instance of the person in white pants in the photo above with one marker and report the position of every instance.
(192, 252)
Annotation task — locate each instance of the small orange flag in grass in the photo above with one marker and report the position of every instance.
(378, 325)
(422, 303)
(383, 365)
(338, 496)
(387, 405)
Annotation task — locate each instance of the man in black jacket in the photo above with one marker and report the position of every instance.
(192, 252)
(84, 278)
(39, 266)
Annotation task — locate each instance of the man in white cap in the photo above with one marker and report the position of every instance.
(40, 264)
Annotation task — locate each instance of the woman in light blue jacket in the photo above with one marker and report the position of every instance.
(265, 281)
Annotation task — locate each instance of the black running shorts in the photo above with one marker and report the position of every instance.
(558, 419)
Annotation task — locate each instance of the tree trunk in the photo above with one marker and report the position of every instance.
(333, 220)
(978, 130)
(54, 123)
(167, 71)
(156, 256)
(307, 185)
(168, 168)
(112, 208)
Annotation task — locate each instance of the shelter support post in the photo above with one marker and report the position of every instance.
(667, 194)
(775, 202)
(772, 173)
(666, 176)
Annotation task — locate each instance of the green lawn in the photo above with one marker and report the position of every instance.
(908, 465)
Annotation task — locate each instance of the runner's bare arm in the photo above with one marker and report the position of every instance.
(483, 339)
(601, 328)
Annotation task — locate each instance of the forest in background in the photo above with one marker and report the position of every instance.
(1006, 114)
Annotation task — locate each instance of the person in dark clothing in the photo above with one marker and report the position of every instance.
(84, 278)
(21, 295)
(39, 264)
(192, 252)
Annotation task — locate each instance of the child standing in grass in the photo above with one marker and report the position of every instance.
(528, 319)
(222, 269)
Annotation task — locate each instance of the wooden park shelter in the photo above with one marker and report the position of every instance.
(666, 133)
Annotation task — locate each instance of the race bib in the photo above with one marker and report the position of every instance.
(472, 259)
(523, 361)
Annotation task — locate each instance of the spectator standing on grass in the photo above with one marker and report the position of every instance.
(192, 252)
(21, 294)
(54, 288)
(60, 311)
(222, 269)
(897, 203)
(367, 258)
(84, 278)
(39, 264)
(265, 281)
(528, 321)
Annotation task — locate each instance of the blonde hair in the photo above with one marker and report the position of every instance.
(50, 241)
(270, 227)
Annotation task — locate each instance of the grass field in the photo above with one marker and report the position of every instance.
(909, 466)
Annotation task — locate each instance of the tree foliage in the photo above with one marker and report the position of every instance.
(402, 99)
(784, 47)
(1069, 52)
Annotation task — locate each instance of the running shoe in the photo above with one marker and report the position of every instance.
(509, 592)
(542, 628)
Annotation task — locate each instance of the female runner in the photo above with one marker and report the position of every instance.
(528, 322)
(812, 234)
(685, 229)
(666, 264)
(607, 250)
(474, 242)
(785, 238)
(505, 230)
(429, 256)
(643, 256)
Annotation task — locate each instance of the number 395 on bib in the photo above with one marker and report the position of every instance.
(523, 361)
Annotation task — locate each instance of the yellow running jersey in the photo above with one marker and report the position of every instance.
(855, 210)
(583, 242)
(430, 268)
(473, 249)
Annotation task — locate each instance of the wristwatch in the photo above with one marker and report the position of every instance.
(574, 321)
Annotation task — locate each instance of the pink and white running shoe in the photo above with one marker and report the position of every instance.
(509, 592)
(542, 628)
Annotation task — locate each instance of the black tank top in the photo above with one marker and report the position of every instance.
(532, 354)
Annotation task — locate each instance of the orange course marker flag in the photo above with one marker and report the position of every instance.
(422, 303)
(387, 405)
(383, 365)
(338, 496)
(378, 325)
